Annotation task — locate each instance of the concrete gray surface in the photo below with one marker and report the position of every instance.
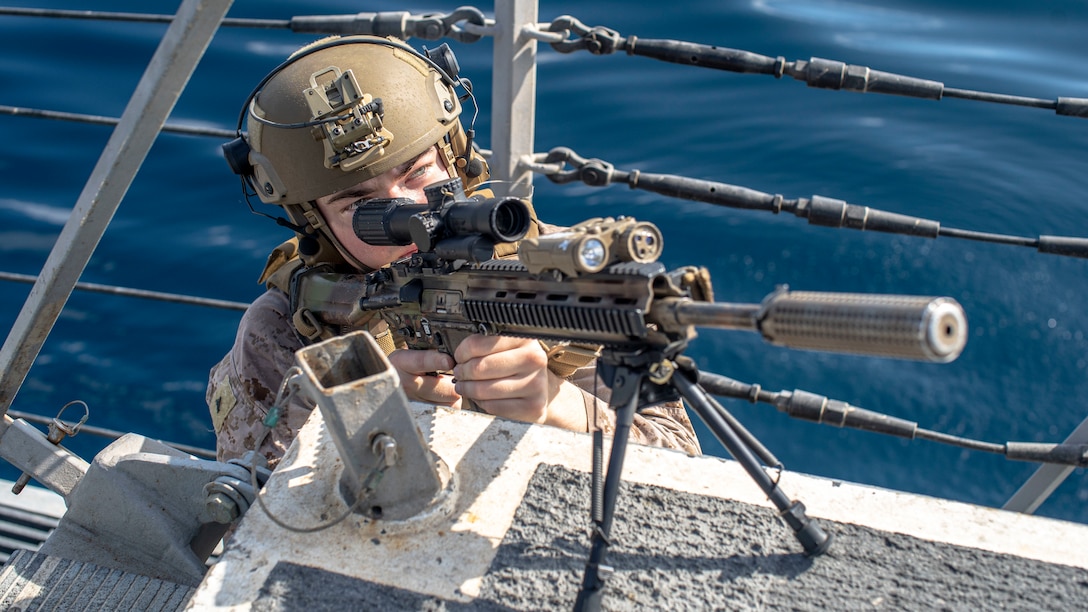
(681, 551)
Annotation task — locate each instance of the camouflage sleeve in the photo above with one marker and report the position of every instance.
(243, 386)
(665, 425)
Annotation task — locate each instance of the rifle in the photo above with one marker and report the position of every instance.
(599, 283)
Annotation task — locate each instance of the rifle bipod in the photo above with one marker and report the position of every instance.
(633, 387)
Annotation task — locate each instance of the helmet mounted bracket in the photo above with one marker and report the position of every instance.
(346, 120)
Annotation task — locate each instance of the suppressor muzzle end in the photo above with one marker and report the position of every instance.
(946, 330)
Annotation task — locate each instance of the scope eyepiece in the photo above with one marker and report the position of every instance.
(384, 221)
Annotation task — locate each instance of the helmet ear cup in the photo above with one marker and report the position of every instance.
(237, 154)
(443, 58)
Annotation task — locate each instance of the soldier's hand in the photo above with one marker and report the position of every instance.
(420, 378)
(509, 377)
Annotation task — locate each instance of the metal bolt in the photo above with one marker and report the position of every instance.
(449, 106)
(385, 448)
(20, 484)
(223, 509)
(268, 188)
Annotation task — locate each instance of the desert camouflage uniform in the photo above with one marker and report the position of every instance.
(244, 385)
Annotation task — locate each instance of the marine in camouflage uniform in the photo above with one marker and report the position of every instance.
(317, 127)
(245, 384)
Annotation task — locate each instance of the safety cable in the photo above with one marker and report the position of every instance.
(465, 24)
(567, 34)
(815, 72)
(820, 409)
(140, 293)
(132, 17)
(101, 120)
(108, 433)
(819, 210)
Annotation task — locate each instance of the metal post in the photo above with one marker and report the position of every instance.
(387, 463)
(169, 70)
(513, 101)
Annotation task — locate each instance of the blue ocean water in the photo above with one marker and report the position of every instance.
(142, 366)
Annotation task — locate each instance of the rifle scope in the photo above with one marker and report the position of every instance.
(400, 221)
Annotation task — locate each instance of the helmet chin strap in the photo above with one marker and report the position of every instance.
(280, 221)
(322, 242)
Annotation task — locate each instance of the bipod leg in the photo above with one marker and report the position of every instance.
(812, 538)
(625, 399)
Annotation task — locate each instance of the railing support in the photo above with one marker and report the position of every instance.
(169, 70)
(513, 106)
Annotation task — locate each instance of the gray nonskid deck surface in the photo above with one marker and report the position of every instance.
(32, 581)
(676, 550)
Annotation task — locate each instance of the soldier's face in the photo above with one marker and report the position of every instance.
(405, 181)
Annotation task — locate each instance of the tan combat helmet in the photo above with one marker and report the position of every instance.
(343, 110)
